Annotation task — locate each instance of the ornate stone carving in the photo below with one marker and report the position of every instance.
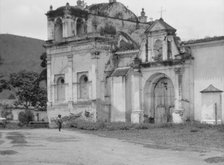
(70, 57)
(179, 70)
(95, 54)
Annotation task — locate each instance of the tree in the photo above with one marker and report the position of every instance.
(1, 60)
(27, 90)
(43, 74)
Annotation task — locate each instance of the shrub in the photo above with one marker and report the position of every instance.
(118, 126)
(86, 125)
(221, 128)
(6, 113)
(142, 126)
(26, 117)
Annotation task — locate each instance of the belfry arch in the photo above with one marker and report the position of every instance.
(80, 26)
(58, 30)
(159, 98)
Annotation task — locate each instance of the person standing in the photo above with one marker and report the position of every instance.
(59, 121)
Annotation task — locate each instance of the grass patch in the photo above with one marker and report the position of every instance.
(172, 136)
(88, 125)
(188, 135)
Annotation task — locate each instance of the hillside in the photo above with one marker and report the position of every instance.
(19, 53)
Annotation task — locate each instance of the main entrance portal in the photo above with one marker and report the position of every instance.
(159, 99)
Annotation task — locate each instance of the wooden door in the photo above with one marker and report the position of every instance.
(163, 100)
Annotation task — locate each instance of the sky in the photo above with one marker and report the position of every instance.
(193, 19)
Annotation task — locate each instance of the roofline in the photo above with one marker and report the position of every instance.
(127, 52)
(204, 40)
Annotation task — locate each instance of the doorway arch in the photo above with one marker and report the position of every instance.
(159, 97)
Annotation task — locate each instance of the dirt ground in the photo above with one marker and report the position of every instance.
(70, 147)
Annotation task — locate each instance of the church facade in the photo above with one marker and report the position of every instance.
(104, 63)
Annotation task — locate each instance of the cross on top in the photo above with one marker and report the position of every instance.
(161, 12)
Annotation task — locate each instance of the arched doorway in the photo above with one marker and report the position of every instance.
(159, 98)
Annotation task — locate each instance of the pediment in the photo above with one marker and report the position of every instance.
(160, 25)
(157, 27)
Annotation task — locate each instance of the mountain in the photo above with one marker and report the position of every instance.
(19, 53)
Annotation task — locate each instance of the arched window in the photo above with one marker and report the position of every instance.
(83, 81)
(158, 50)
(80, 26)
(58, 30)
(61, 89)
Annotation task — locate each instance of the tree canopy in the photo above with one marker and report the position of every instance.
(43, 74)
(26, 87)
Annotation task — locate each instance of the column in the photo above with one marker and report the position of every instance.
(68, 27)
(178, 109)
(75, 26)
(70, 84)
(137, 113)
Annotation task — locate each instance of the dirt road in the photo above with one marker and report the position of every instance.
(50, 147)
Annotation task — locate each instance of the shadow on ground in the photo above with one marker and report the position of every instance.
(215, 160)
(8, 152)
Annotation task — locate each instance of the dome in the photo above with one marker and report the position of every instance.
(115, 10)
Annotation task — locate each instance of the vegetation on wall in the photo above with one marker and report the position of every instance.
(126, 46)
(108, 29)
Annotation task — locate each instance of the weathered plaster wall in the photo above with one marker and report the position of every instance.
(72, 60)
(118, 108)
(208, 69)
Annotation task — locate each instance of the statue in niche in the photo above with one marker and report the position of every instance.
(158, 50)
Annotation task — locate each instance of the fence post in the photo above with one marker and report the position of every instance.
(216, 114)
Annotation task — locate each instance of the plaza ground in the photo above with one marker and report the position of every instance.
(72, 147)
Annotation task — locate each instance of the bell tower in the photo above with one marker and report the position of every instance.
(143, 17)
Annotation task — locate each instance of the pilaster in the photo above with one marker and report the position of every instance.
(49, 87)
(50, 29)
(165, 49)
(70, 84)
(178, 109)
(95, 57)
(137, 112)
